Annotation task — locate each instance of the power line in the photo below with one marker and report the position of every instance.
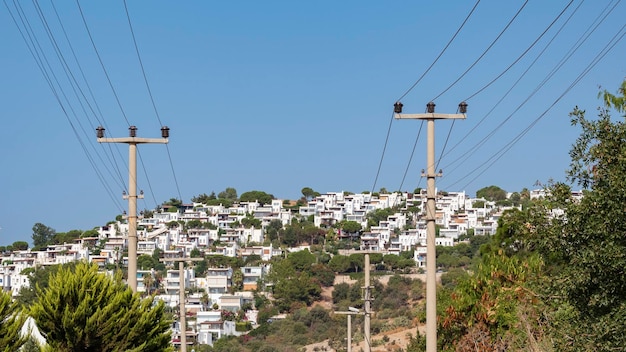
(41, 61)
(409, 90)
(484, 52)
(593, 26)
(496, 156)
(145, 78)
(72, 81)
(98, 112)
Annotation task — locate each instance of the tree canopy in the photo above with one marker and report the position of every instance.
(11, 322)
(491, 193)
(256, 196)
(42, 235)
(85, 310)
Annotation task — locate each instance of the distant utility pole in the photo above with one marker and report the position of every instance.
(181, 297)
(431, 279)
(132, 196)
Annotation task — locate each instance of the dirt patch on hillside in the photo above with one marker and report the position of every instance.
(394, 340)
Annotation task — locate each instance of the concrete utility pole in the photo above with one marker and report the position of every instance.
(181, 296)
(351, 311)
(367, 300)
(431, 267)
(132, 196)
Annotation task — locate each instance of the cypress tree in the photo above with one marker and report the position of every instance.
(86, 310)
(11, 322)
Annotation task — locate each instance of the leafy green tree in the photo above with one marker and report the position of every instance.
(20, 245)
(309, 193)
(250, 221)
(11, 321)
(378, 215)
(339, 263)
(292, 287)
(273, 228)
(66, 237)
(229, 193)
(491, 193)
(350, 227)
(94, 232)
(487, 303)
(323, 274)
(42, 235)
(586, 245)
(174, 202)
(201, 268)
(256, 196)
(38, 278)
(302, 260)
(146, 262)
(84, 310)
(148, 282)
(237, 280)
(203, 198)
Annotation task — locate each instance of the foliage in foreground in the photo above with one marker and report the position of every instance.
(11, 321)
(553, 277)
(85, 310)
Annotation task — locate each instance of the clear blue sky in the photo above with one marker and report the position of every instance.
(280, 95)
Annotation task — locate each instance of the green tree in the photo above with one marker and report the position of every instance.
(229, 193)
(292, 287)
(84, 310)
(146, 262)
(38, 278)
(350, 227)
(491, 193)
(273, 228)
(301, 260)
(20, 245)
(237, 280)
(339, 263)
(148, 282)
(586, 245)
(256, 196)
(42, 235)
(203, 198)
(250, 221)
(309, 193)
(11, 321)
(174, 202)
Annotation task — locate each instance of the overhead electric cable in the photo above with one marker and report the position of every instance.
(411, 157)
(145, 78)
(590, 30)
(380, 163)
(496, 156)
(73, 84)
(510, 89)
(442, 51)
(523, 53)
(32, 44)
(111, 86)
(484, 52)
(98, 112)
(413, 86)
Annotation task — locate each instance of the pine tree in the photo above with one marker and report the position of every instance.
(85, 310)
(11, 322)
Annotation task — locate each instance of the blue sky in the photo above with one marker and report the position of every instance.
(280, 95)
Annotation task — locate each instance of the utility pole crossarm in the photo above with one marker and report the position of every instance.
(133, 140)
(428, 116)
